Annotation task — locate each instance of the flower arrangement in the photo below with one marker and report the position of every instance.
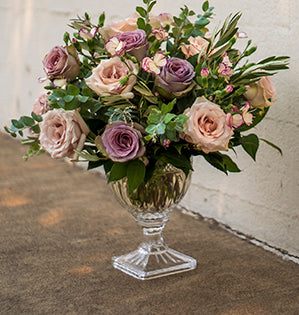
(150, 89)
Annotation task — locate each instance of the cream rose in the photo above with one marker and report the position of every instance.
(61, 132)
(126, 25)
(260, 92)
(106, 76)
(207, 126)
(196, 45)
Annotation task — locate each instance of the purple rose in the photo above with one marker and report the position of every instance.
(176, 76)
(121, 142)
(62, 63)
(136, 43)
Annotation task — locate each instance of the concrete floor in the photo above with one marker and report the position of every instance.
(60, 226)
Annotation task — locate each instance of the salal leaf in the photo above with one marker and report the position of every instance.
(250, 144)
(272, 145)
(118, 171)
(135, 174)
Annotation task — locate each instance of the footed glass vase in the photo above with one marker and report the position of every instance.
(150, 205)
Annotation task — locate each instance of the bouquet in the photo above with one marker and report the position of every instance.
(150, 90)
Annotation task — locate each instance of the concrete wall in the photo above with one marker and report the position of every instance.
(262, 201)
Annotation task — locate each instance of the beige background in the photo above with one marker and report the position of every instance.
(262, 201)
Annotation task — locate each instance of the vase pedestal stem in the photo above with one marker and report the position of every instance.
(153, 258)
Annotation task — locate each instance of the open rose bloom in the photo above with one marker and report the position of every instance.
(207, 126)
(62, 132)
(150, 89)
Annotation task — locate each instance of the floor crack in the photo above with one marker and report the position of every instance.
(284, 254)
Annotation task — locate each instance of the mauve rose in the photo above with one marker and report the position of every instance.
(136, 43)
(176, 76)
(129, 24)
(62, 63)
(259, 93)
(61, 132)
(121, 142)
(41, 104)
(208, 126)
(106, 76)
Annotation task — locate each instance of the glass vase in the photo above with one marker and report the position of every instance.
(150, 205)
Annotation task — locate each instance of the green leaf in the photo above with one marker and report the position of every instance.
(27, 121)
(151, 129)
(231, 166)
(68, 98)
(38, 118)
(272, 145)
(118, 171)
(17, 124)
(94, 164)
(107, 166)
(205, 6)
(154, 116)
(82, 99)
(160, 129)
(168, 117)
(87, 92)
(177, 160)
(87, 156)
(72, 90)
(135, 173)
(167, 108)
(72, 105)
(151, 6)
(141, 11)
(250, 144)
(141, 23)
(35, 129)
(216, 160)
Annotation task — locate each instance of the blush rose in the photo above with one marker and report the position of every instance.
(106, 76)
(207, 127)
(61, 132)
(121, 142)
(196, 45)
(62, 63)
(260, 92)
(41, 104)
(125, 25)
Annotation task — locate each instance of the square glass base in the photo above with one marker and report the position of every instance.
(145, 264)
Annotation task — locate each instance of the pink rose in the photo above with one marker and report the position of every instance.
(259, 93)
(61, 132)
(62, 63)
(121, 142)
(196, 45)
(126, 25)
(208, 126)
(106, 76)
(41, 104)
